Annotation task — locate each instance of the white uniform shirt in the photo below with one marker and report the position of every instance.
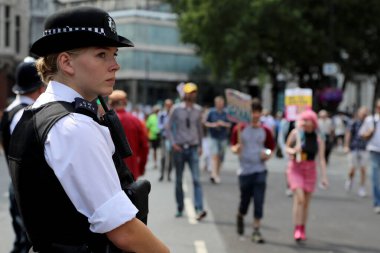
(20, 99)
(79, 150)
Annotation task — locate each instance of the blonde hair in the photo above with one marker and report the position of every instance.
(47, 66)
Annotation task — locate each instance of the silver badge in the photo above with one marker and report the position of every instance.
(111, 24)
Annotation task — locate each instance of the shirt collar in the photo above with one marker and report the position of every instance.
(25, 99)
(62, 92)
(20, 99)
(56, 91)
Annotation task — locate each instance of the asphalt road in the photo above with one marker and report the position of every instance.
(338, 222)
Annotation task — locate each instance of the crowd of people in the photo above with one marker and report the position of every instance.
(58, 147)
(189, 133)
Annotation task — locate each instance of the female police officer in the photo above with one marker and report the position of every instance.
(65, 180)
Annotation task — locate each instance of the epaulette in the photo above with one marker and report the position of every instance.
(85, 107)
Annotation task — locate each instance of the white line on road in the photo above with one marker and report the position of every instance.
(190, 211)
(200, 247)
(184, 187)
(189, 207)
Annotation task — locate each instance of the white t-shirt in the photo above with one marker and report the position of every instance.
(79, 150)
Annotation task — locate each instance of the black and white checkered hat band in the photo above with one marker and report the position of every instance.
(73, 29)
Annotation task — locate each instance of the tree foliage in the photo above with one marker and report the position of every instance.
(239, 38)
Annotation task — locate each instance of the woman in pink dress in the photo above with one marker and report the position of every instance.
(304, 147)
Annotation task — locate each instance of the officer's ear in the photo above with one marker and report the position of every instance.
(64, 63)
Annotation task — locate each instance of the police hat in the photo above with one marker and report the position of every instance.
(76, 28)
(27, 78)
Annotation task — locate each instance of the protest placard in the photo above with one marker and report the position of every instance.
(297, 100)
(238, 106)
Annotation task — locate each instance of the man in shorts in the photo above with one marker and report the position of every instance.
(355, 145)
(218, 127)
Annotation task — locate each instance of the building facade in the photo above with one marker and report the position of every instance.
(159, 61)
(14, 40)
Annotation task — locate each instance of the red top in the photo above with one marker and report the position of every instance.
(138, 140)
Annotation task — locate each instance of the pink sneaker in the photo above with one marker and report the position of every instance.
(297, 233)
(303, 233)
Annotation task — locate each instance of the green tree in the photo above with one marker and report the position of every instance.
(240, 39)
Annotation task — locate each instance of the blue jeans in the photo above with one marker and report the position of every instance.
(375, 164)
(189, 155)
(253, 186)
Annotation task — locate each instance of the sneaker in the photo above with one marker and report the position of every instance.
(377, 209)
(257, 237)
(201, 215)
(348, 185)
(179, 214)
(362, 192)
(240, 224)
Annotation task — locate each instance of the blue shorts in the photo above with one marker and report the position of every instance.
(218, 147)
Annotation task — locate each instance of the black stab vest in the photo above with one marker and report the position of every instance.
(49, 215)
(6, 124)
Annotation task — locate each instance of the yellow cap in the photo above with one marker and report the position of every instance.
(190, 87)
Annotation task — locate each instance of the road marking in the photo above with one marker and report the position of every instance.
(184, 187)
(190, 210)
(189, 207)
(200, 247)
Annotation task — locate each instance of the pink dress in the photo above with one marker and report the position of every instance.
(302, 175)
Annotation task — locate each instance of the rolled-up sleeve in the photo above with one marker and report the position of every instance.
(80, 153)
(112, 214)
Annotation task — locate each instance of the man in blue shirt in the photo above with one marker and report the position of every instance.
(218, 126)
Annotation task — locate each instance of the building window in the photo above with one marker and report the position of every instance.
(17, 33)
(151, 34)
(158, 62)
(7, 28)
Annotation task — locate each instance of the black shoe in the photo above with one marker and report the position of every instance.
(161, 178)
(257, 237)
(212, 180)
(201, 215)
(240, 224)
